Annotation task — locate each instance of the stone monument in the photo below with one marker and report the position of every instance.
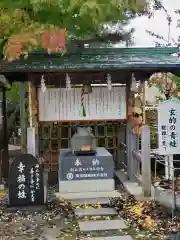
(85, 167)
(26, 185)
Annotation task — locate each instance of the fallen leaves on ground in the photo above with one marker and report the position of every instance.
(30, 223)
(145, 215)
(145, 219)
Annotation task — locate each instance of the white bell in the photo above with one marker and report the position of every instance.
(109, 83)
(43, 85)
(68, 82)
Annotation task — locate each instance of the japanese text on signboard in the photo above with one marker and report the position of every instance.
(21, 179)
(169, 132)
(23, 187)
(78, 172)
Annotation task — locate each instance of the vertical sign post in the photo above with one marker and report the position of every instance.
(169, 132)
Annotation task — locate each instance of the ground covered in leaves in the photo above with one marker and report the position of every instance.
(146, 219)
(34, 223)
(56, 220)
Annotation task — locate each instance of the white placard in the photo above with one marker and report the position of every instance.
(169, 127)
(58, 104)
(31, 141)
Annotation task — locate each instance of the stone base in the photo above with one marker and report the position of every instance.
(92, 198)
(105, 185)
(165, 197)
(27, 209)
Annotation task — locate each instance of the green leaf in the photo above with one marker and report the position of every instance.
(82, 19)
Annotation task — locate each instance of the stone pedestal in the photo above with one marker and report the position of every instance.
(86, 173)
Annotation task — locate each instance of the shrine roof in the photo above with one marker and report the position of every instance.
(97, 59)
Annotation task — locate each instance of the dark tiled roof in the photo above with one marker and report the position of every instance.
(101, 58)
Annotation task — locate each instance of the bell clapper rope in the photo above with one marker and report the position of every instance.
(83, 111)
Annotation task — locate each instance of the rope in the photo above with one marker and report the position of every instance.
(83, 111)
(82, 97)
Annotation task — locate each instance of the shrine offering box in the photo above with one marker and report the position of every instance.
(86, 173)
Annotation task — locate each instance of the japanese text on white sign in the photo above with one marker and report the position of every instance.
(168, 128)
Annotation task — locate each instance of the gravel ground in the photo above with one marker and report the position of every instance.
(55, 220)
(35, 223)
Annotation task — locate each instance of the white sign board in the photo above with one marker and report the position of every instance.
(58, 104)
(169, 127)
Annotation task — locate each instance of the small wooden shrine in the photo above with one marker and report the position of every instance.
(90, 87)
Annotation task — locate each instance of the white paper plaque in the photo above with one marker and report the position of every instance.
(58, 104)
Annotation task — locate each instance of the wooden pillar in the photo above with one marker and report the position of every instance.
(146, 161)
(32, 131)
(129, 154)
(121, 155)
(129, 133)
(22, 93)
(4, 152)
(143, 100)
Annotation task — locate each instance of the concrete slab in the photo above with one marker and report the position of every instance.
(2, 187)
(13, 147)
(101, 225)
(87, 195)
(91, 201)
(127, 237)
(51, 233)
(80, 212)
(87, 185)
(132, 187)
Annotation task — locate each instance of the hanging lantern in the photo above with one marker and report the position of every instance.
(68, 82)
(109, 83)
(43, 85)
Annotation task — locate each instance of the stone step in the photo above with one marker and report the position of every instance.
(101, 225)
(87, 185)
(87, 195)
(91, 201)
(80, 212)
(127, 237)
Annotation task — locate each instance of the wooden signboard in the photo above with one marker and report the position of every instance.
(58, 104)
(169, 127)
(169, 133)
